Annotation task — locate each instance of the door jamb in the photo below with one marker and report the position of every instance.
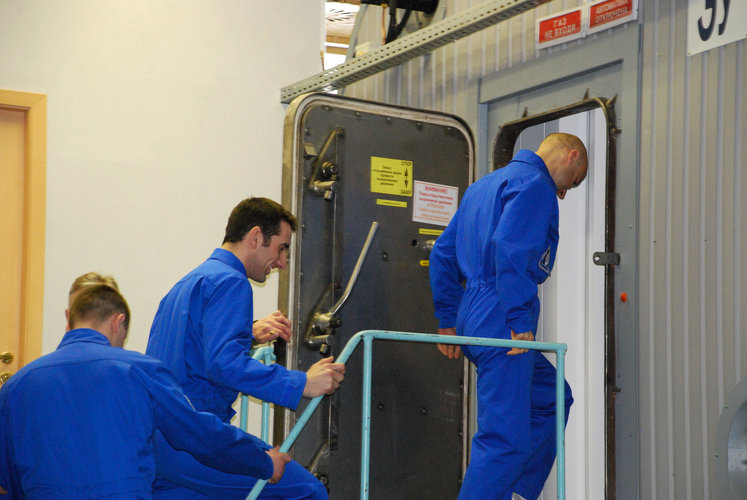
(32, 300)
(618, 47)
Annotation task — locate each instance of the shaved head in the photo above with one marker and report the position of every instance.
(566, 160)
(564, 142)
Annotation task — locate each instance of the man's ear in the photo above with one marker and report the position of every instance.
(116, 323)
(254, 237)
(573, 156)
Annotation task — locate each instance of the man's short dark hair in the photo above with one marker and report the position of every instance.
(97, 303)
(261, 212)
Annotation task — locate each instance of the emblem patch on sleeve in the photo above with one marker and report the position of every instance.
(544, 262)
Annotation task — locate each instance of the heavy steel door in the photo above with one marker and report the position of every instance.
(373, 186)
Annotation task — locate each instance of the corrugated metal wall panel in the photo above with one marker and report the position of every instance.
(438, 81)
(654, 348)
(692, 243)
(678, 450)
(690, 251)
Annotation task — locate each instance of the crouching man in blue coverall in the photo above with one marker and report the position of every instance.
(501, 244)
(78, 423)
(203, 332)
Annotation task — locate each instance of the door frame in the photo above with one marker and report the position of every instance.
(34, 225)
(617, 48)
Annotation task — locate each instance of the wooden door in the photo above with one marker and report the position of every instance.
(22, 210)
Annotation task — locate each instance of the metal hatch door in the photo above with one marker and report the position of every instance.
(372, 187)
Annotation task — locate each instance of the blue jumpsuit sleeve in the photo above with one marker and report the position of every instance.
(446, 277)
(520, 239)
(4, 460)
(203, 435)
(227, 339)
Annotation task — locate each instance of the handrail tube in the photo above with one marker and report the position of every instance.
(265, 354)
(243, 420)
(356, 270)
(369, 335)
(366, 415)
(560, 421)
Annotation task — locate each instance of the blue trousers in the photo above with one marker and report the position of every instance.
(182, 477)
(514, 447)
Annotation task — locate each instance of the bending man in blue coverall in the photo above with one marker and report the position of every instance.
(484, 272)
(77, 423)
(203, 332)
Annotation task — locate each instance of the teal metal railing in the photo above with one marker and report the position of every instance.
(368, 336)
(266, 354)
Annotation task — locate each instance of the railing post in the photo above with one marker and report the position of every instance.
(560, 419)
(244, 412)
(366, 414)
(265, 435)
(368, 337)
(266, 355)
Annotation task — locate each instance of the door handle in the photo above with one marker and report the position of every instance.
(6, 357)
(323, 324)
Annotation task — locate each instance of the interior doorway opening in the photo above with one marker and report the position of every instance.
(574, 300)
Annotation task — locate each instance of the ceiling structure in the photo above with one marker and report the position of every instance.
(340, 19)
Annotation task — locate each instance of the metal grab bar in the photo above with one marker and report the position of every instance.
(323, 324)
(369, 335)
(266, 354)
(356, 270)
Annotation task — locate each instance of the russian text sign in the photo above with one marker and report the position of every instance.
(434, 203)
(391, 176)
(560, 28)
(608, 13)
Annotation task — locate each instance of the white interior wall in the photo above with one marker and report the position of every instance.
(161, 117)
(573, 306)
(579, 320)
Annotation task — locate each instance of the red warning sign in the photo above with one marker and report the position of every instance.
(603, 15)
(560, 28)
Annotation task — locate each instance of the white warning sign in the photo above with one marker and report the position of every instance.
(434, 203)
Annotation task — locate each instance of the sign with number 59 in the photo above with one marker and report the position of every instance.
(712, 23)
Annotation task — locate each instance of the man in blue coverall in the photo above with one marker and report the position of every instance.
(484, 272)
(203, 332)
(77, 423)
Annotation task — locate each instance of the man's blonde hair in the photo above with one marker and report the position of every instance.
(97, 302)
(92, 278)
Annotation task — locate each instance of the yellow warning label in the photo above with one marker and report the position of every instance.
(389, 176)
(431, 232)
(391, 203)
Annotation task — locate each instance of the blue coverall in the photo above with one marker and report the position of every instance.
(203, 332)
(501, 244)
(78, 423)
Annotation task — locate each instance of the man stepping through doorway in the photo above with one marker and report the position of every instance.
(501, 243)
